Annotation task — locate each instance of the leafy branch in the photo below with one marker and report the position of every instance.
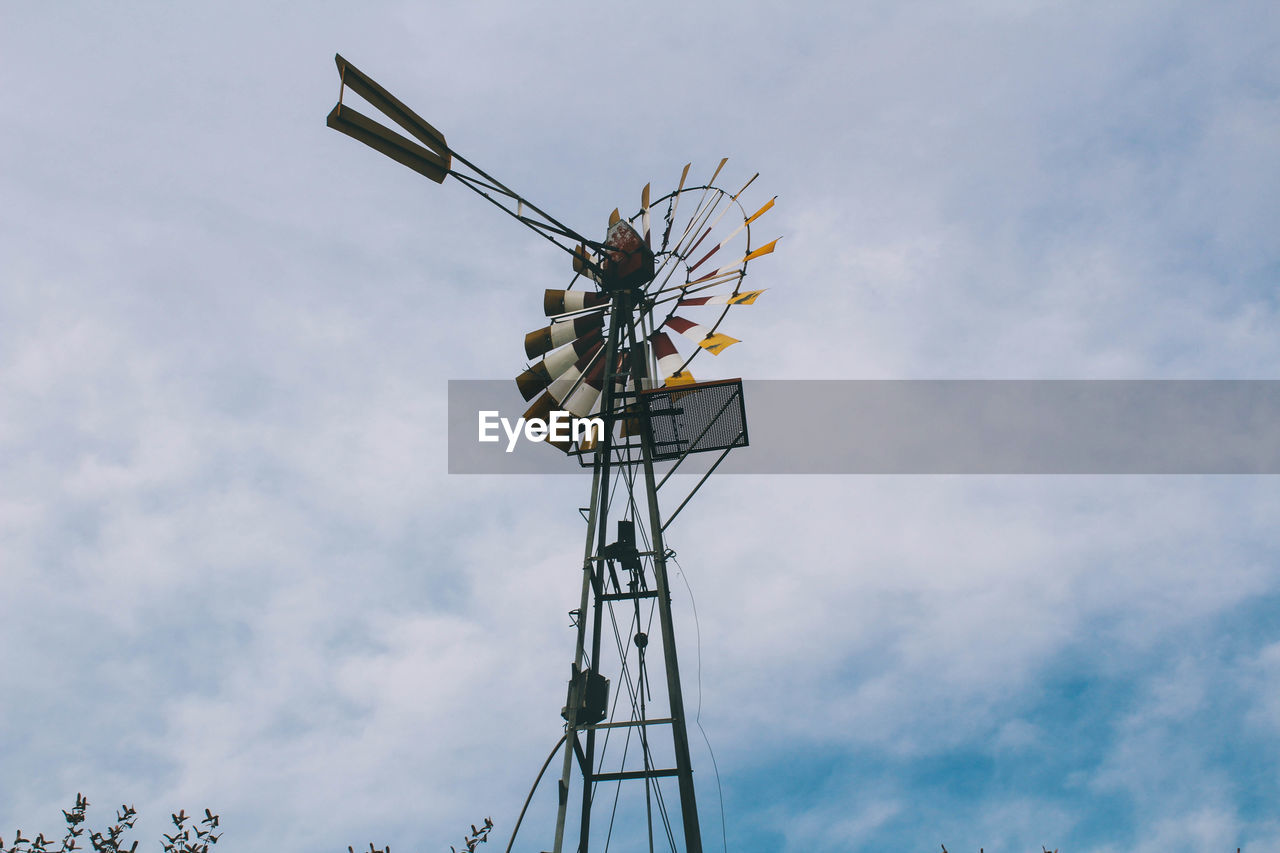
(113, 839)
(476, 838)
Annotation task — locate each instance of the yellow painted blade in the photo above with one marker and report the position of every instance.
(768, 204)
(684, 377)
(747, 297)
(717, 343)
(766, 249)
(614, 217)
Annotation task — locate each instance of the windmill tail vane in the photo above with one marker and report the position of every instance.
(609, 350)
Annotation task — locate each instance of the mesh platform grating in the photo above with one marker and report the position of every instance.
(706, 415)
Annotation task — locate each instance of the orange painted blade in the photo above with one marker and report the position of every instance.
(766, 249)
(768, 204)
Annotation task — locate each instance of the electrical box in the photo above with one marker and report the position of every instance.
(588, 695)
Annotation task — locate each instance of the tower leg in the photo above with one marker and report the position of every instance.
(679, 731)
(633, 473)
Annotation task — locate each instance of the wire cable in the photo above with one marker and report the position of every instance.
(697, 717)
(527, 799)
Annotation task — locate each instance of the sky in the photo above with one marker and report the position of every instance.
(235, 573)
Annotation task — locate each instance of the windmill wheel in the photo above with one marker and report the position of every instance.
(682, 280)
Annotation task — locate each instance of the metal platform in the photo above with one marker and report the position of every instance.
(695, 418)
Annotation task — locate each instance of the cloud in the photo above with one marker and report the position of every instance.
(236, 573)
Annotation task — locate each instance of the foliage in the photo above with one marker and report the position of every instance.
(477, 837)
(1042, 847)
(189, 836)
(193, 838)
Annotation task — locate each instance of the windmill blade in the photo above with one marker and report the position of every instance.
(670, 216)
(670, 364)
(555, 302)
(583, 398)
(698, 242)
(713, 342)
(752, 218)
(578, 405)
(563, 386)
(732, 199)
(746, 297)
(543, 409)
(586, 263)
(621, 382)
(701, 213)
(766, 249)
(729, 268)
(678, 291)
(534, 380)
(673, 260)
(716, 173)
(558, 334)
(432, 158)
(699, 216)
(644, 214)
(764, 209)
(541, 375)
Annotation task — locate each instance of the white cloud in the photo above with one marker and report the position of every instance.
(236, 574)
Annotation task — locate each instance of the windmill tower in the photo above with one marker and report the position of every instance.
(607, 352)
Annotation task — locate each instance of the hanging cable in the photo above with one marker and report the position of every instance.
(697, 717)
(527, 799)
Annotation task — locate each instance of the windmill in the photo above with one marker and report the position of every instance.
(608, 350)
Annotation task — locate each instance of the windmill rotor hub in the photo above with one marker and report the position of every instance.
(627, 263)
